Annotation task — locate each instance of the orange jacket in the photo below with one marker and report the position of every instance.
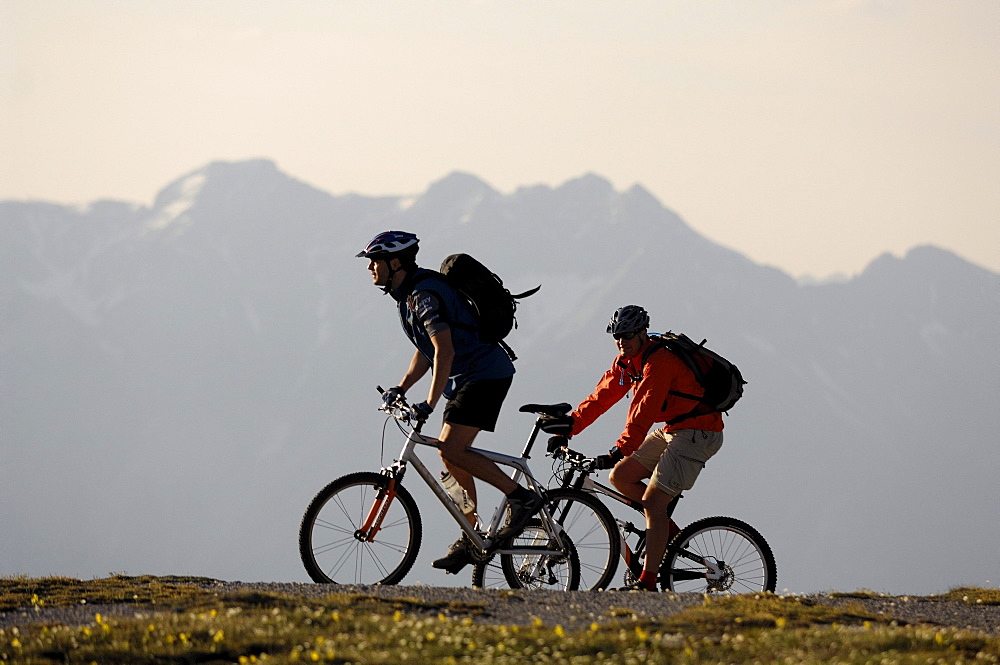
(651, 402)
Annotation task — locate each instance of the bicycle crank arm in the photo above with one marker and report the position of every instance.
(715, 572)
(687, 575)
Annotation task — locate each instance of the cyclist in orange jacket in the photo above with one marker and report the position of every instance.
(671, 457)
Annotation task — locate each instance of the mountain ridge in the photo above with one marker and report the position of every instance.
(217, 340)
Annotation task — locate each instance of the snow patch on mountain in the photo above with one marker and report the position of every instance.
(175, 211)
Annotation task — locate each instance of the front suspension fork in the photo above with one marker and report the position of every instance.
(373, 523)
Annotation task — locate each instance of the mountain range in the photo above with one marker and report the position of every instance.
(178, 380)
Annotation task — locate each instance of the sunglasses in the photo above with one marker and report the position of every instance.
(625, 336)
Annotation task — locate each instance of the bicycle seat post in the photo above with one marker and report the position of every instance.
(673, 504)
(526, 453)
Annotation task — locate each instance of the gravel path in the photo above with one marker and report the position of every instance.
(570, 609)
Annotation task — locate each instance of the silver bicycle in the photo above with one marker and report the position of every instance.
(365, 527)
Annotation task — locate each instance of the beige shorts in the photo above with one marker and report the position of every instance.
(676, 458)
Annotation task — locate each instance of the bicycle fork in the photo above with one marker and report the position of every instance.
(380, 508)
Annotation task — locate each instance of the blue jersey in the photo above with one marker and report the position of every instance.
(427, 305)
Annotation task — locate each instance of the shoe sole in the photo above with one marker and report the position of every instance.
(452, 568)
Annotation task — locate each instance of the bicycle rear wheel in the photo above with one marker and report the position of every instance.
(332, 545)
(592, 529)
(718, 555)
(536, 571)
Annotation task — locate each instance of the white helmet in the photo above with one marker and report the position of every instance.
(388, 243)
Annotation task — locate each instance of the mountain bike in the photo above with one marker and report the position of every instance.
(365, 527)
(711, 555)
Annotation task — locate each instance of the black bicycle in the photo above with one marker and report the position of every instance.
(711, 555)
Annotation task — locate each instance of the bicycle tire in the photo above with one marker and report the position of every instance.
(594, 532)
(489, 575)
(527, 571)
(749, 565)
(329, 548)
(591, 527)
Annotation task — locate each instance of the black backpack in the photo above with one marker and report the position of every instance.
(491, 304)
(721, 379)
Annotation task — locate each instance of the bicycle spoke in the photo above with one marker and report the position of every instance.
(332, 552)
(334, 569)
(736, 559)
(323, 549)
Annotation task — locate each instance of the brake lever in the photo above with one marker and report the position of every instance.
(399, 406)
(585, 463)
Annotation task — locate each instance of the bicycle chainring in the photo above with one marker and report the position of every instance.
(479, 556)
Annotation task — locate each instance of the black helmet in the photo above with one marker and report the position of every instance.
(627, 319)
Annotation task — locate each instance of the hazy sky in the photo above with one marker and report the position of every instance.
(810, 135)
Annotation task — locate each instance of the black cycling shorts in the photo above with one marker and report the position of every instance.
(477, 403)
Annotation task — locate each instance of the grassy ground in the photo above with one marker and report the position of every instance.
(183, 622)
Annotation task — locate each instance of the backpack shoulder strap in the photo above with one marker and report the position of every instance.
(424, 275)
(663, 342)
(658, 343)
(458, 324)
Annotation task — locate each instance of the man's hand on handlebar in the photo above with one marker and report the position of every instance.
(422, 411)
(393, 397)
(394, 403)
(602, 462)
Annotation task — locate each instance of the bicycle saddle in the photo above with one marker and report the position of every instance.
(554, 410)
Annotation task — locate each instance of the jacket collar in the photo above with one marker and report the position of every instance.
(406, 286)
(628, 368)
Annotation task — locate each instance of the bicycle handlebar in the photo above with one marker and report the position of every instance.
(401, 410)
(575, 459)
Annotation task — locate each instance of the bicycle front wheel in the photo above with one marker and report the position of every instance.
(718, 555)
(333, 547)
(594, 533)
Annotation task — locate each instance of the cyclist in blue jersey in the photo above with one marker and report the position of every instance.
(473, 376)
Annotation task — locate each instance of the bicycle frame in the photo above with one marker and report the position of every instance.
(483, 542)
(578, 476)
